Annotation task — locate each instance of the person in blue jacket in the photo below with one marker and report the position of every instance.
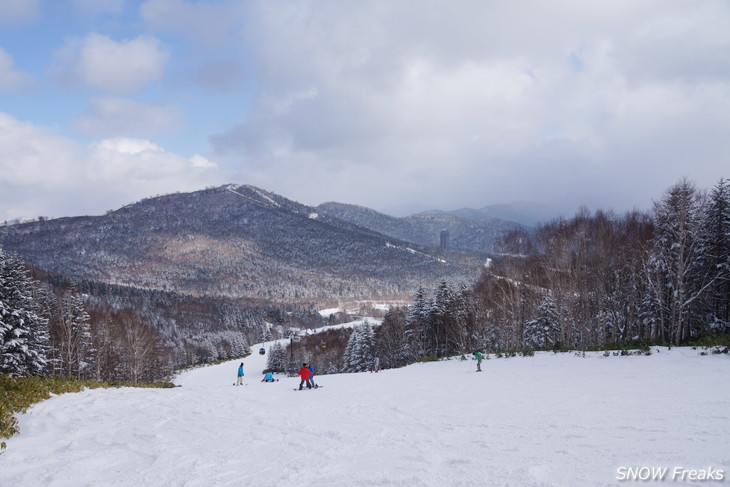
(311, 369)
(239, 380)
(269, 377)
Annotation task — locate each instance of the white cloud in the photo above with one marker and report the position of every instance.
(140, 161)
(110, 116)
(10, 79)
(109, 66)
(13, 12)
(210, 23)
(470, 103)
(32, 156)
(45, 174)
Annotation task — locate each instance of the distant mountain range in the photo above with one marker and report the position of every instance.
(524, 213)
(470, 234)
(212, 268)
(242, 241)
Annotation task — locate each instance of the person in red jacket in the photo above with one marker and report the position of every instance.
(306, 376)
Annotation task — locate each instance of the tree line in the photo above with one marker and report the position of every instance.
(50, 325)
(597, 279)
(48, 331)
(593, 281)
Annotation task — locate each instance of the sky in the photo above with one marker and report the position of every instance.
(398, 105)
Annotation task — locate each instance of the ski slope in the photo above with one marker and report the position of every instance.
(548, 420)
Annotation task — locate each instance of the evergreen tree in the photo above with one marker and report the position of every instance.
(74, 336)
(416, 328)
(360, 350)
(675, 259)
(49, 310)
(24, 345)
(545, 329)
(277, 359)
(716, 255)
(439, 320)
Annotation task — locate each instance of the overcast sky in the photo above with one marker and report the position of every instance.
(398, 105)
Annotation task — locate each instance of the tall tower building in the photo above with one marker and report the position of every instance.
(444, 240)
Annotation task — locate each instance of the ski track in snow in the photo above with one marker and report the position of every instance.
(548, 420)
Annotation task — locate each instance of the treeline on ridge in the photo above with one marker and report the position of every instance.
(590, 282)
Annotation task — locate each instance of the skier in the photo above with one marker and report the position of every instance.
(239, 380)
(306, 376)
(269, 377)
(311, 369)
(479, 357)
(376, 365)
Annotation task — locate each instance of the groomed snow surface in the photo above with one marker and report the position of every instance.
(548, 420)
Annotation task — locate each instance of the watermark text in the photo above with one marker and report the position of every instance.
(676, 474)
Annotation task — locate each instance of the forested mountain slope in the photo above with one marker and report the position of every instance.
(234, 241)
(475, 234)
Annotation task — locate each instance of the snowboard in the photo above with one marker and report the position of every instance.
(307, 388)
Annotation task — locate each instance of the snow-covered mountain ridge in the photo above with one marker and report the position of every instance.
(233, 241)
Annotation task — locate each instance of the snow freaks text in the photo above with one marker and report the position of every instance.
(676, 474)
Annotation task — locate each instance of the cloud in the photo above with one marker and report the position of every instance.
(140, 161)
(221, 76)
(475, 102)
(111, 116)
(14, 12)
(32, 156)
(210, 23)
(106, 65)
(45, 174)
(10, 79)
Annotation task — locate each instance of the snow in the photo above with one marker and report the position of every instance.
(547, 420)
(255, 190)
(413, 251)
(329, 312)
(349, 324)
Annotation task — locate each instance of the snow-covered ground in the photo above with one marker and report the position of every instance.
(548, 420)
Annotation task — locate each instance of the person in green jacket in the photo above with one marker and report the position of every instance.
(478, 356)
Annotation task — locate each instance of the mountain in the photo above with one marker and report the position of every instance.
(469, 234)
(234, 241)
(524, 213)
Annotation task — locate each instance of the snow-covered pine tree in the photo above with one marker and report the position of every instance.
(440, 320)
(24, 345)
(266, 335)
(545, 329)
(359, 353)
(49, 309)
(716, 255)
(239, 345)
(674, 259)
(462, 335)
(415, 344)
(277, 359)
(74, 336)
